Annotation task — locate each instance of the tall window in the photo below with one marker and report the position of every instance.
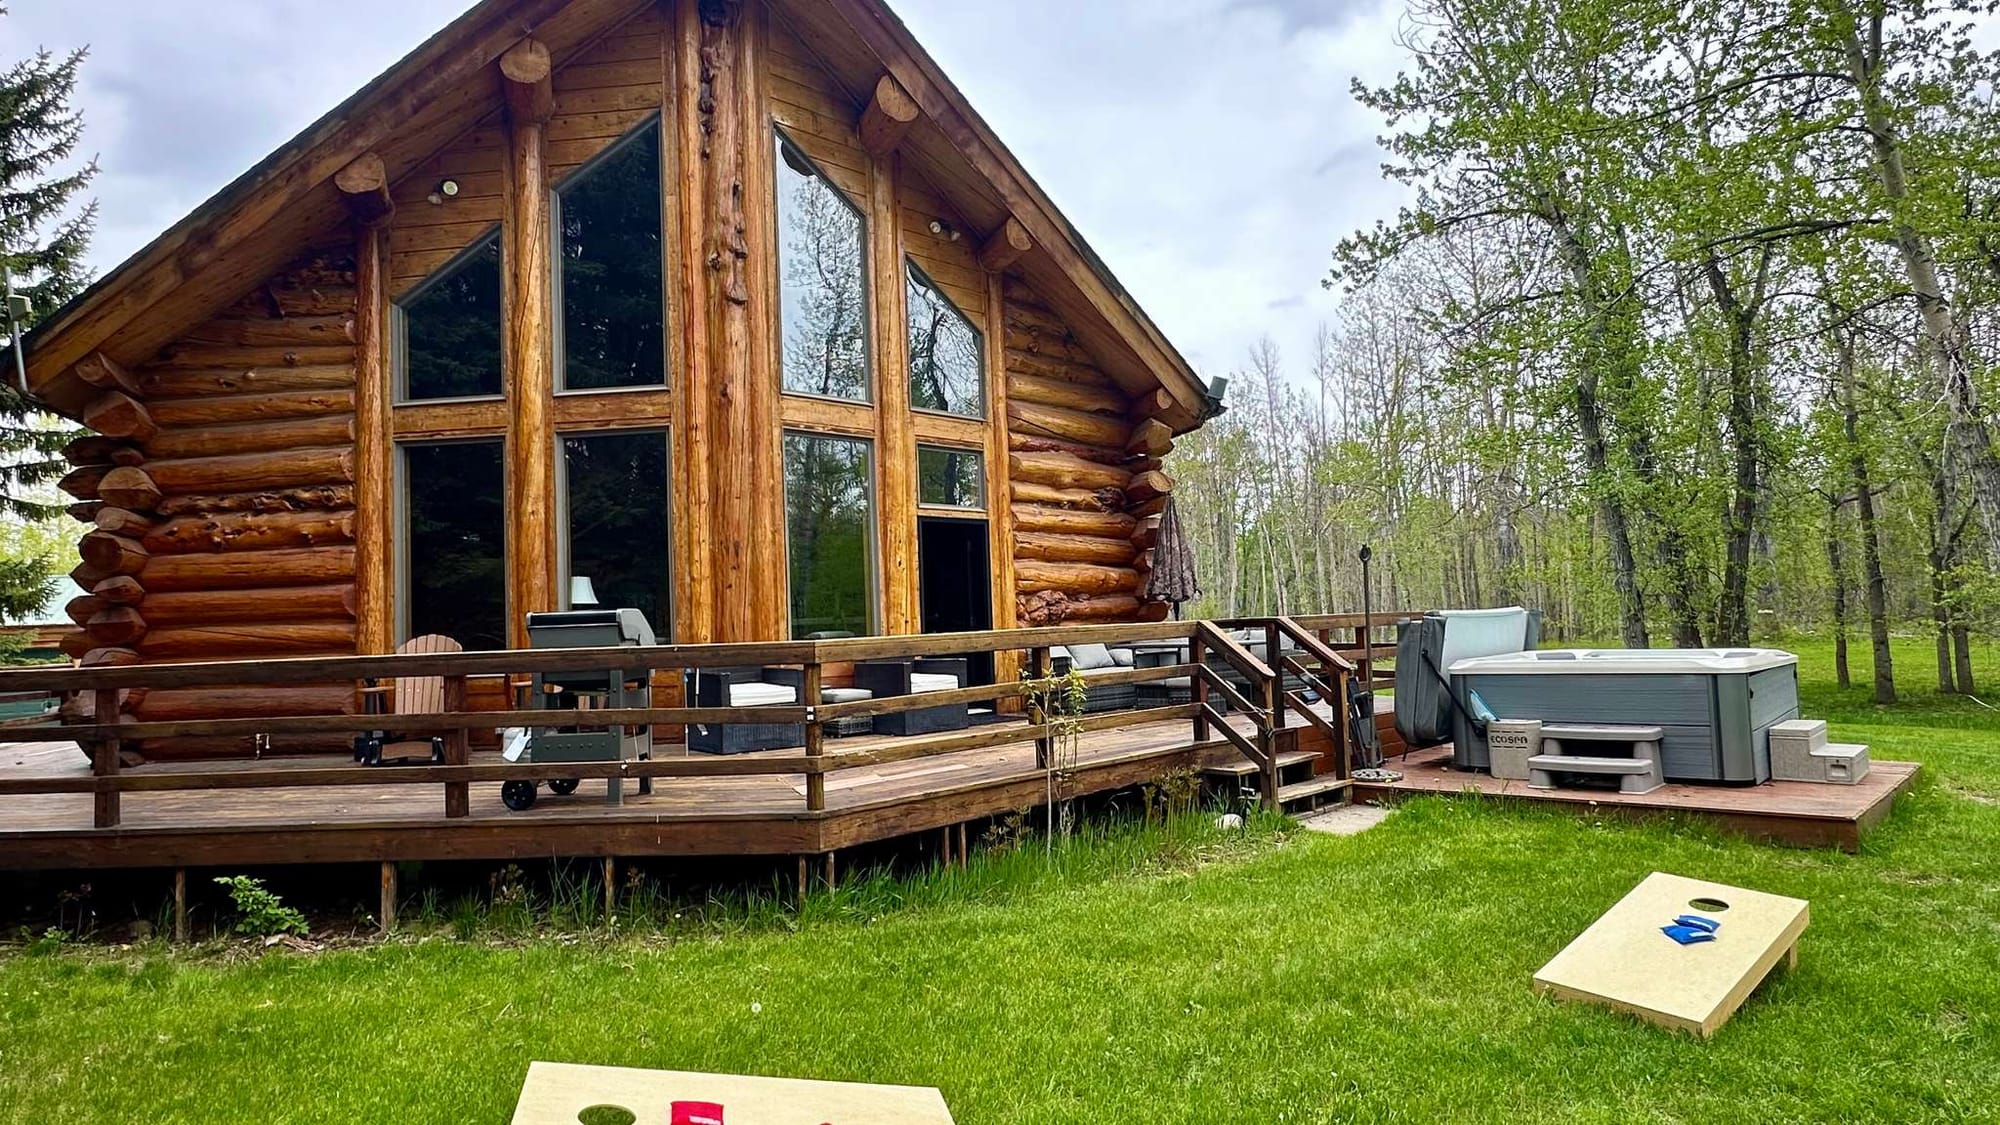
(830, 524)
(617, 506)
(950, 478)
(448, 342)
(822, 282)
(613, 305)
(455, 554)
(947, 359)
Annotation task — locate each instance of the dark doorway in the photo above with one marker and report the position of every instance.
(956, 583)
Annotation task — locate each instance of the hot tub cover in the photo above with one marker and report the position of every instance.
(1626, 661)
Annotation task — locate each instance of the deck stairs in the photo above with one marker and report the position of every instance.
(1300, 789)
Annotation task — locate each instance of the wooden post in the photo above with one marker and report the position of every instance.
(373, 502)
(387, 915)
(896, 473)
(104, 758)
(1198, 683)
(530, 378)
(805, 875)
(180, 906)
(1274, 655)
(610, 891)
(830, 872)
(944, 846)
(964, 856)
(693, 525)
(815, 737)
(1041, 666)
(999, 489)
(1267, 742)
(457, 751)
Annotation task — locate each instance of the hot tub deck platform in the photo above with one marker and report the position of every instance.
(1797, 813)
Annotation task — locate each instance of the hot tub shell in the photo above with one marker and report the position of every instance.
(1716, 706)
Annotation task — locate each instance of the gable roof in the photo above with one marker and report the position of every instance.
(287, 202)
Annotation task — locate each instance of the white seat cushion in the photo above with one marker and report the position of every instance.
(1086, 657)
(761, 695)
(845, 695)
(921, 682)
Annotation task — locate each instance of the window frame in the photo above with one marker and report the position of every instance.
(664, 630)
(870, 360)
(558, 297)
(872, 566)
(400, 508)
(913, 271)
(928, 508)
(399, 326)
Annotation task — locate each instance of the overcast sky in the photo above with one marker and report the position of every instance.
(1208, 149)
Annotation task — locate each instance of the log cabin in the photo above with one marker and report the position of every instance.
(733, 307)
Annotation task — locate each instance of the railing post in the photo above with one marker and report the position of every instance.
(1041, 666)
(815, 737)
(458, 751)
(104, 758)
(1267, 740)
(1274, 655)
(1343, 748)
(1198, 683)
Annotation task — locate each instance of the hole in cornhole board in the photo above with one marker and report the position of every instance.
(1708, 905)
(607, 1115)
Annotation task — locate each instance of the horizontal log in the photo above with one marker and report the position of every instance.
(96, 449)
(85, 511)
(1151, 438)
(120, 589)
(110, 658)
(1061, 470)
(1154, 403)
(291, 469)
(1074, 578)
(83, 607)
(121, 521)
(112, 554)
(1020, 362)
(85, 482)
(1069, 521)
(1030, 443)
(291, 603)
(1104, 500)
(1051, 607)
(364, 188)
(1146, 533)
(1047, 547)
(88, 575)
(333, 430)
(1070, 425)
(162, 383)
(106, 374)
(1006, 246)
(117, 626)
(1146, 486)
(1067, 394)
(280, 332)
(887, 118)
(225, 642)
(173, 705)
(1148, 508)
(307, 300)
(218, 410)
(211, 356)
(75, 645)
(116, 414)
(243, 570)
(323, 498)
(257, 531)
(130, 488)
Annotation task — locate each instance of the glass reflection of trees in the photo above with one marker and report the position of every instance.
(829, 529)
(946, 356)
(451, 328)
(457, 554)
(823, 292)
(952, 478)
(613, 305)
(617, 512)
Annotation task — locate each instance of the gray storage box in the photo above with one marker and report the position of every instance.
(1716, 706)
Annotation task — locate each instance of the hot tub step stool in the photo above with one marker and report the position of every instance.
(1639, 773)
(1800, 752)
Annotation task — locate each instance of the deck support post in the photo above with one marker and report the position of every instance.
(805, 880)
(180, 906)
(944, 846)
(964, 856)
(831, 873)
(610, 891)
(1041, 666)
(815, 737)
(387, 915)
(104, 759)
(1198, 684)
(458, 751)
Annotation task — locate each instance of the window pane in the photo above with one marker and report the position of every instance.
(457, 556)
(946, 357)
(955, 478)
(821, 286)
(451, 328)
(830, 531)
(614, 321)
(618, 509)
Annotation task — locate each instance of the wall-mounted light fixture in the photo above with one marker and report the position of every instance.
(446, 189)
(945, 230)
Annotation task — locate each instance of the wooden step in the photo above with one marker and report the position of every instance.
(1244, 767)
(1569, 763)
(1300, 791)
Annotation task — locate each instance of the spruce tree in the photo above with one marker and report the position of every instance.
(44, 229)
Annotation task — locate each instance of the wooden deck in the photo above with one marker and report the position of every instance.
(684, 816)
(1788, 812)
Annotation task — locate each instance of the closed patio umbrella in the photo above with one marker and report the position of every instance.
(1172, 578)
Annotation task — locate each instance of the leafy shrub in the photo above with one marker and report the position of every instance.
(259, 911)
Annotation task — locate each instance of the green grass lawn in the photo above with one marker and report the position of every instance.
(1283, 978)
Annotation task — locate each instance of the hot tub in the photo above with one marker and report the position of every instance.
(1716, 706)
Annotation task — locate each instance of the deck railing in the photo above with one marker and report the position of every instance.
(1249, 685)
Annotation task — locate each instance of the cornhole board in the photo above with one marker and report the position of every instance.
(1624, 961)
(557, 1093)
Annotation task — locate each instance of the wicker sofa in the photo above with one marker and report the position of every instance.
(746, 687)
(887, 678)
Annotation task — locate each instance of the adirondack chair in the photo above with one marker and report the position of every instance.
(408, 695)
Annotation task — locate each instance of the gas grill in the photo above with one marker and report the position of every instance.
(593, 689)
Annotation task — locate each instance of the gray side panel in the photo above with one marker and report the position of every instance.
(1774, 698)
(1681, 703)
